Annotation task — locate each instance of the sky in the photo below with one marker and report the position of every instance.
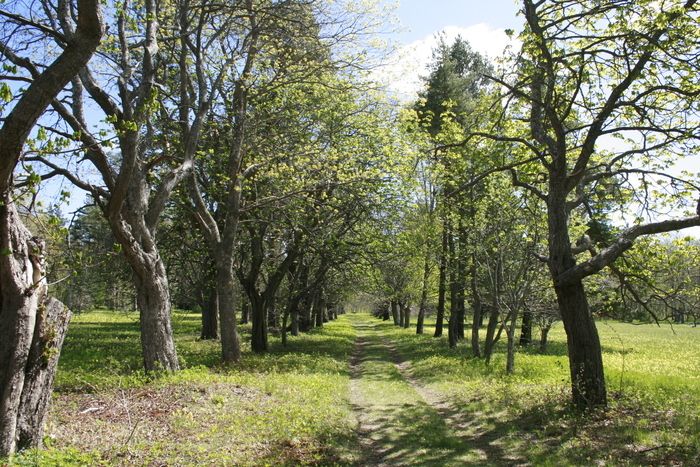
(481, 23)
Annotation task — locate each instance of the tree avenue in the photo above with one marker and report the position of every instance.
(239, 161)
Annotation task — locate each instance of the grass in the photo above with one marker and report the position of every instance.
(414, 400)
(288, 407)
(653, 378)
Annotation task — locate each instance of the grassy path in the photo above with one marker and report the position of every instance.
(400, 421)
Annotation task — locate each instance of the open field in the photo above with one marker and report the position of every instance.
(362, 392)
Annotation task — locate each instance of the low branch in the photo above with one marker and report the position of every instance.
(623, 243)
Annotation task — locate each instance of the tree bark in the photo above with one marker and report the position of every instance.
(245, 311)
(406, 315)
(319, 307)
(452, 332)
(461, 276)
(50, 331)
(259, 341)
(585, 354)
(510, 354)
(543, 339)
(477, 311)
(210, 316)
(32, 327)
(225, 284)
(395, 312)
(440, 315)
(423, 294)
(294, 312)
(526, 329)
(153, 299)
(490, 341)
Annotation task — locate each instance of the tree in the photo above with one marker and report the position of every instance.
(588, 73)
(280, 47)
(32, 324)
(450, 102)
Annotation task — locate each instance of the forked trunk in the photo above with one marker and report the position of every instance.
(585, 354)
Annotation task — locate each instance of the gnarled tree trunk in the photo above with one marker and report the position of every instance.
(32, 326)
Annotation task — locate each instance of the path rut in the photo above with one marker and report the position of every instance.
(401, 422)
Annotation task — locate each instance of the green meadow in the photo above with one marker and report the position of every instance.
(360, 391)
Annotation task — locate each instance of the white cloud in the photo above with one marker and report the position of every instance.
(402, 73)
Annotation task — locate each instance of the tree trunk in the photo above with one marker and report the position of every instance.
(294, 312)
(526, 329)
(510, 355)
(423, 294)
(395, 312)
(476, 307)
(245, 310)
(385, 312)
(406, 315)
(210, 317)
(259, 325)
(461, 277)
(153, 299)
(283, 330)
(440, 316)
(50, 331)
(402, 314)
(306, 321)
(319, 306)
(543, 338)
(452, 332)
(225, 284)
(583, 343)
(585, 353)
(32, 328)
(490, 340)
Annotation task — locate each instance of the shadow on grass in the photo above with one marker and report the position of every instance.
(103, 347)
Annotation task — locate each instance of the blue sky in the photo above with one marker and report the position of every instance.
(424, 17)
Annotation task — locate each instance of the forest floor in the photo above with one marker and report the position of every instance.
(364, 392)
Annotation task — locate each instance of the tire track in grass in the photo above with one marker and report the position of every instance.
(465, 426)
(397, 425)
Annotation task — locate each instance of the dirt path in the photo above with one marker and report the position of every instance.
(401, 422)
